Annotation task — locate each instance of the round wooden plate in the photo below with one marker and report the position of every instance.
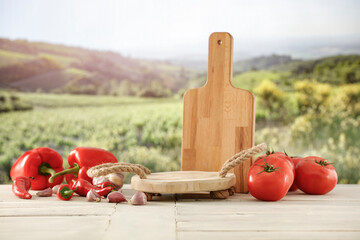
(183, 182)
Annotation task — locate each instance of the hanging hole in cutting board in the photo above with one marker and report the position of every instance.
(219, 42)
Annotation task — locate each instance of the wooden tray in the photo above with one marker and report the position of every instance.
(183, 182)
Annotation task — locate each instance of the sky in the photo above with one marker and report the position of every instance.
(168, 29)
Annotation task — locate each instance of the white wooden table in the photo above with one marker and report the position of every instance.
(298, 216)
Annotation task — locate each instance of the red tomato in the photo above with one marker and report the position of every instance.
(278, 153)
(315, 175)
(269, 179)
(295, 161)
(280, 156)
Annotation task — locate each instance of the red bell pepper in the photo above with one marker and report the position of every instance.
(82, 187)
(38, 164)
(81, 159)
(21, 186)
(65, 192)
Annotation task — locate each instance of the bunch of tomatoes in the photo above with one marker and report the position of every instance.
(274, 174)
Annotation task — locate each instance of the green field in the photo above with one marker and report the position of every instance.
(148, 131)
(249, 80)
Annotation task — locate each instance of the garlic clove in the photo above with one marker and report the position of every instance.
(55, 188)
(93, 196)
(139, 198)
(116, 197)
(48, 192)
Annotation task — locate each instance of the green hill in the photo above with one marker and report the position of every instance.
(15, 73)
(9, 58)
(51, 80)
(335, 70)
(262, 63)
(31, 66)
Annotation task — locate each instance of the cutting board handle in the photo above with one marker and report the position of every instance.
(220, 62)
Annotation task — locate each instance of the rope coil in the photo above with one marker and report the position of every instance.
(108, 168)
(240, 157)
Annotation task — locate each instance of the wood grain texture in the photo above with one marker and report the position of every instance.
(182, 182)
(218, 119)
(335, 215)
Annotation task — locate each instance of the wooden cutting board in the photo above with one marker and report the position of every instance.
(218, 119)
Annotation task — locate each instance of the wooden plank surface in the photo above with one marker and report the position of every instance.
(298, 216)
(51, 218)
(218, 119)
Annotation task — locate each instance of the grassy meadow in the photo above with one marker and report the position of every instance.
(135, 130)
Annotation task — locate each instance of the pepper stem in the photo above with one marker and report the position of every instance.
(66, 192)
(74, 170)
(45, 169)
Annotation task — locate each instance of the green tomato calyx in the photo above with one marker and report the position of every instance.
(270, 151)
(323, 162)
(268, 168)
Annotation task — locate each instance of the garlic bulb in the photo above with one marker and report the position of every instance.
(117, 179)
(98, 180)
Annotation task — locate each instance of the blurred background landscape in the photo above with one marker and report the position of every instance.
(111, 74)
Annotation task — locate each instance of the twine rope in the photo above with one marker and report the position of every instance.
(240, 157)
(108, 168)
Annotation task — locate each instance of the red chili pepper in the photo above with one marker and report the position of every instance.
(65, 192)
(82, 187)
(81, 159)
(20, 187)
(38, 164)
(106, 184)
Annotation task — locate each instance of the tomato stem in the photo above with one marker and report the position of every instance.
(323, 162)
(286, 153)
(268, 168)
